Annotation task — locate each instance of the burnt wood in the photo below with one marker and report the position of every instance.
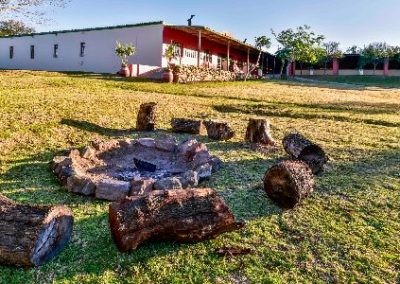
(171, 215)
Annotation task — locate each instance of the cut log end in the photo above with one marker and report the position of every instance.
(54, 235)
(32, 235)
(288, 183)
(258, 131)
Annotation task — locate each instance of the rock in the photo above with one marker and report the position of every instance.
(168, 183)
(215, 163)
(112, 190)
(88, 153)
(62, 168)
(189, 179)
(189, 148)
(80, 184)
(217, 130)
(105, 146)
(204, 172)
(141, 186)
(166, 143)
(202, 157)
(146, 142)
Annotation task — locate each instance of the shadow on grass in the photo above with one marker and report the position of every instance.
(262, 110)
(91, 127)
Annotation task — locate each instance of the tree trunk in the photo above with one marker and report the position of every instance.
(375, 69)
(298, 147)
(325, 67)
(273, 75)
(32, 235)
(146, 118)
(182, 125)
(217, 130)
(288, 183)
(171, 215)
(282, 67)
(301, 68)
(258, 131)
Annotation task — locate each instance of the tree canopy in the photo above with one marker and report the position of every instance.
(33, 10)
(14, 27)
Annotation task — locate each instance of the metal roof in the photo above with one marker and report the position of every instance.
(87, 29)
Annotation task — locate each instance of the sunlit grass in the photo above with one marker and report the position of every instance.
(348, 231)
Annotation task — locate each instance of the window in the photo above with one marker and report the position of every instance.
(83, 46)
(11, 52)
(55, 51)
(32, 52)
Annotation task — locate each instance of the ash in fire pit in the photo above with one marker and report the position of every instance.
(116, 169)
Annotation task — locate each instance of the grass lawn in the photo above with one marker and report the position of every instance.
(348, 231)
(371, 81)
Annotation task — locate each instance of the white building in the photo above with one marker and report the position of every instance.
(93, 50)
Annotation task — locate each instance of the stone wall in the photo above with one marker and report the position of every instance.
(187, 74)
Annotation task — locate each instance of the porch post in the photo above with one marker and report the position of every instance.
(386, 67)
(228, 55)
(335, 67)
(248, 60)
(198, 49)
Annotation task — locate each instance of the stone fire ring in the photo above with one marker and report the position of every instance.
(117, 169)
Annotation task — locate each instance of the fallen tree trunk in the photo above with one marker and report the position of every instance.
(32, 235)
(298, 147)
(217, 130)
(171, 215)
(146, 119)
(289, 182)
(182, 125)
(258, 132)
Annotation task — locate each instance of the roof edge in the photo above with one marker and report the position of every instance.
(87, 29)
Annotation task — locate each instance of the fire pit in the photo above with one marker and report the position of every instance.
(116, 169)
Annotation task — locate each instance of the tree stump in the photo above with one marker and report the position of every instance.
(289, 182)
(32, 235)
(182, 125)
(298, 147)
(171, 215)
(146, 119)
(258, 132)
(217, 130)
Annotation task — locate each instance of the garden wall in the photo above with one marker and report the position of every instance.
(187, 74)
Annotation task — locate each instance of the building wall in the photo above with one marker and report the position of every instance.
(99, 52)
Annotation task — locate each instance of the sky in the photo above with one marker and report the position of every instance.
(351, 22)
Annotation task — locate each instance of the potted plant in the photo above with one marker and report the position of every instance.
(123, 51)
(169, 53)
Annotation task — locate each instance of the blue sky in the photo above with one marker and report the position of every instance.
(349, 22)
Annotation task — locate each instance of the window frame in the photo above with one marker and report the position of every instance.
(82, 49)
(32, 51)
(55, 50)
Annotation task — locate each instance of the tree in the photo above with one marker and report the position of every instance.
(14, 27)
(331, 51)
(284, 55)
(301, 42)
(27, 9)
(262, 42)
(353, 50)
(376, 53)
(123, 51)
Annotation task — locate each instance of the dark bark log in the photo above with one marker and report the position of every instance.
(219, 130)
(182, 125)
(258, 131)
(288, 183)
(298, 147)
(32, 235)
(146, 119)
(172, 215)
